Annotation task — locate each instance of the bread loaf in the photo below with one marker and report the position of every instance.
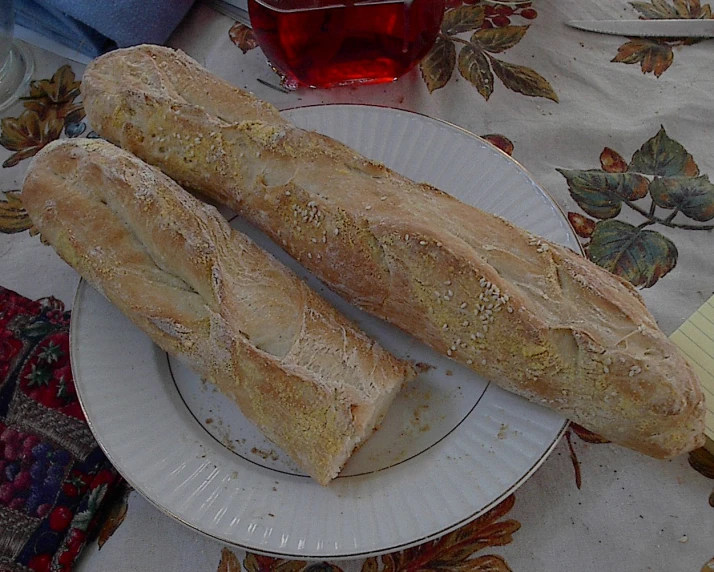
(532, 316)
(312, 382)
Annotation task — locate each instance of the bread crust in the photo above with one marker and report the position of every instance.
(308, 378)
(530, 315)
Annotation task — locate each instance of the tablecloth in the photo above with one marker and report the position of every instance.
(577, 110)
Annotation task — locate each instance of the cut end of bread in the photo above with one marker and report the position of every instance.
(367, 419)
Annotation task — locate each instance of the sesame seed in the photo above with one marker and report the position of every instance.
(457, 341)
(287, 194)
(368, 207)
(463, 305)
(311, 204)
(423, 242)
(447, 283)
(485, 328)
(465, 323)
(382, 198)
(472, 336)
(448, 352)
(483, 362)
(406, 237)
(336, 231)
(453, 348)
(439, 244)
(606, 369)
(509, 310)
(479, 335)
(445, 326)
(309, 255)
(313, 240)
(469, 361)
(447, 297)
(450, 293)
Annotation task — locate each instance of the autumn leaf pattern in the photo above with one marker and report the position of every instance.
(115, 513)
(655, 55)
(702, 461)
(50, 108)
(13, 217)
(57, 95)
(243, 37)
(455, 551)
(662, 170)
(587, 435)
(27, 134)
(229, 562)
(452, 552)
(500, 141)
(257, 563)
(492, 32)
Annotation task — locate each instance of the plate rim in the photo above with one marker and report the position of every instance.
(73, 333)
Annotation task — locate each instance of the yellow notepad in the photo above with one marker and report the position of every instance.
(695, 339)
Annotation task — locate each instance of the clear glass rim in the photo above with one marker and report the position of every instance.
(24, 59)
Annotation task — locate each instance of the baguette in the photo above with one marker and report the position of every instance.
(313, 383)
(536, 318)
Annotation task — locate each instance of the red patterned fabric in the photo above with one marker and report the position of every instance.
(53, 476)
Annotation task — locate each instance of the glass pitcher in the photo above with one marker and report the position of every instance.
(15, 62)
(325, 43)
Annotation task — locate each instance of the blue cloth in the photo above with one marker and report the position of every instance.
(93, 27)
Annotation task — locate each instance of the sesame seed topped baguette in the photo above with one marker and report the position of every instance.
(532, 316)
(312, 382)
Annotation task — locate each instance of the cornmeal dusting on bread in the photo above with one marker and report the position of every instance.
(556, 300)
(208, 303)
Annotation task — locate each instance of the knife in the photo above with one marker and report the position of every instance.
(683, 28)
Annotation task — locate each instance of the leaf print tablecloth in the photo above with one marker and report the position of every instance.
(619, 130)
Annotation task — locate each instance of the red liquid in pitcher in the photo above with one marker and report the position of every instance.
(351, 43)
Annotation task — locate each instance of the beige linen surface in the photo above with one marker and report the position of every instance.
(631, 513)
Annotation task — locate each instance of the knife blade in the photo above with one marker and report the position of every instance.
(684, 28)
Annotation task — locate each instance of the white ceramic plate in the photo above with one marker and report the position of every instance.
(452, 445)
